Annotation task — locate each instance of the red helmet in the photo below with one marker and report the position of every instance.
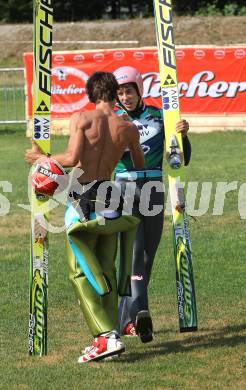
(128, 74)
(48, 176)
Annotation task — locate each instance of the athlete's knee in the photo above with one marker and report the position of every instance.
(138, 258)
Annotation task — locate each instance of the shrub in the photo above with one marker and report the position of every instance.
(242, 11)
(210, 9)
(230, 9)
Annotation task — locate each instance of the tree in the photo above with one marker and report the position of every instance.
(130, 8)
(75, 10)
(191, 6)
(186, 6)
(67, 10)
(72, 10)
(115, 9)
(12, 11)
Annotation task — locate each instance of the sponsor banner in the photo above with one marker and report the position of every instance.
(211, 80)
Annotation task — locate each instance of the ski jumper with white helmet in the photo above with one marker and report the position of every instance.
(128, 74)
(149, 121)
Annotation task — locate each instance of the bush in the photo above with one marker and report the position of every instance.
(242, 11)
(230, 9)
(210, 9)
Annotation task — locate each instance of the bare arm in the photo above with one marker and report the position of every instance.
(136, 151)
(71, 156)
(183, 127)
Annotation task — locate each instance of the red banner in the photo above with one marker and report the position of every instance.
(211, 80)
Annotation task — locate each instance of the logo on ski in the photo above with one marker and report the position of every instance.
(165, 29)
(37, 318)
(184, 275)
(170, 99)
(42, 107)
(169, 81)
(41, 129)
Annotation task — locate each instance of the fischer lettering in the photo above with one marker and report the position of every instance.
(200, 85)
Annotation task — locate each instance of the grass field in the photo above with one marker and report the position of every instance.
(212, 358)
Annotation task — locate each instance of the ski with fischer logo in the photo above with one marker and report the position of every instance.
(187, 311)
(39, 251)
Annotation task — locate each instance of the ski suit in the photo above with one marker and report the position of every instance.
(91, 247)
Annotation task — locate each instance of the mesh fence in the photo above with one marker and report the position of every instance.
(12, 95)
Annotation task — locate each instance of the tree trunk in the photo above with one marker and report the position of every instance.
(193, 5)
(113, 9)
(129, 5)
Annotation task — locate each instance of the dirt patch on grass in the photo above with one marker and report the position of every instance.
(54, 357)
(216, 30)
(14, 225)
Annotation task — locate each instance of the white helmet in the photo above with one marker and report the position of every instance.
(128, 74)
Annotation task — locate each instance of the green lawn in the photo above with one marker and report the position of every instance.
(212, 358)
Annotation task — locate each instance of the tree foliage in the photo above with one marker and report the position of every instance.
(15, 12)
(75, 10)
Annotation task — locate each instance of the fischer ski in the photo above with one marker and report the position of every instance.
(39, 251)
(187, 312)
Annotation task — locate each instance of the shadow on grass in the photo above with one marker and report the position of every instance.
(204, 338)
(8, 132)
(13, 129)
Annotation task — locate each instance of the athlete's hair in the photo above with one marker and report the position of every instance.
(102, 86)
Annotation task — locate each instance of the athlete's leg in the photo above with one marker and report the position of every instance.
(153, 227)
(129, 306)
(106, 251)
(95, 307)
(145, 246)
